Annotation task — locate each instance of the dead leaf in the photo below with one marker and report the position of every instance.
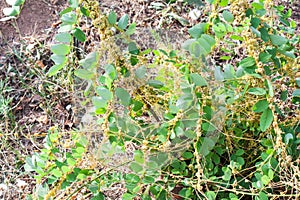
(40, 64)
(42, 119)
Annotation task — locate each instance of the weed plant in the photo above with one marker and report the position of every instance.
(181, 125)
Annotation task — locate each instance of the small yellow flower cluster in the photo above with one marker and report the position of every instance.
(238, 9)
(99, 20)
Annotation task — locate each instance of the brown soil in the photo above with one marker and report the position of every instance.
(35, 18)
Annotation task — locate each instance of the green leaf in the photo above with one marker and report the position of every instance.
(266, 119)
(123, 22)
(237, 37)
(209, 39)
(210, 195)
(196, 49)
(198, 80)
(155, 83)
(15, 2)
(99, 102)
(211, 1)
(204, 45)
(284, 95)
(60, 49)
(223, 3)
(197, 30)
(264, 57)
(225, 57)
(30, 164)
(42, 190)
(219, 29)
(148, 179)
(257, 6)
(56, 172)
(296, 93)
(139, 156)
(207, 127)
(263, 196)
(93, 187)
(67, 10)
(71, 161)
(260, 106)
(218, 73)
(228, 16)
(255, 31)
(239, 152)
(278, 40)
(137, 105)
(270, 88)
(186, 44)
(12, 11)
(84, 74)
(233, 196)
(69, 18)
(271, 174)
(240, 160)
(133, 60)
(110, 71)
(90, 60)
(127, 196)
(227, 173)
(65, 169)
(80, 150)
(59, 59)
(288, 137)
(55, 69)
(184, 101)
(98, 196)
(257, 91)
(196, 2)
(247, 62)
(207, 145)
(132, 48)
(124, 96)
(229, 72)
(265, 179)
(141, 72)
(84, 11)
(79, 34)
(104, 93)
(65, 28)
(63, 37)
(131, 29)
(287, 53)
(71, 177)
(264, 34)
(112, 18)
(74, 3)
(187, 155)
(137, 168)
(255, 22)
(298, 81)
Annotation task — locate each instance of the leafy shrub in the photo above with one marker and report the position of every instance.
(201, 129)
